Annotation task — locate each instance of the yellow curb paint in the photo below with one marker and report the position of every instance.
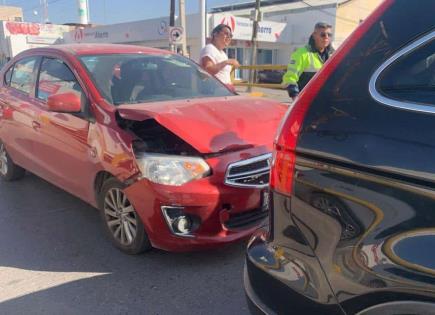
(257, 94)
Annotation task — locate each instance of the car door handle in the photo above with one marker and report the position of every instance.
(36, 125)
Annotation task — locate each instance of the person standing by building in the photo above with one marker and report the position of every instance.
(307, 60)
(213, 57)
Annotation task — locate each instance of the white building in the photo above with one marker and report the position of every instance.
(286, 24)
(18, 36)
(299, 18)
(154, 33)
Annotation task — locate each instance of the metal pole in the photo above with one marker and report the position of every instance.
(83, 11)
(88, 11)
(172, 20)
(45, 11)
(252, 73)
(41, 8)
(182, 10)
(202, 17)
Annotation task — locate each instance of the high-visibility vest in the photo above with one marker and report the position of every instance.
(304, 63)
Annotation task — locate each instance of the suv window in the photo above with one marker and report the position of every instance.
(56, 78)
(412, 77)
(23, 74)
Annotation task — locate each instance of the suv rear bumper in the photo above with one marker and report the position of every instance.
(256, 306)
(274, 286)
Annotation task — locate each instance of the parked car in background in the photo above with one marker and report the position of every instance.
(171, 157)
(270, 76)
(352, 181)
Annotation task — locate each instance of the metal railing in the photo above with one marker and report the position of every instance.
(256, 68)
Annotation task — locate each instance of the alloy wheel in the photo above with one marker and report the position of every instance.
(121, 218)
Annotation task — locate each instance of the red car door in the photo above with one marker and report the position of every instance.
(17, 113)
(62, 153)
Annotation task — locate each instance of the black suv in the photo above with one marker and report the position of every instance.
(352, 225)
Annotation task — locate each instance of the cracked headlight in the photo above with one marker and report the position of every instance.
(171, 169)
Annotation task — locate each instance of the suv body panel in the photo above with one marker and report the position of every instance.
(363, 199)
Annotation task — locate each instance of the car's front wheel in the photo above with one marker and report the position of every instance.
(9, 171)
(121, 220)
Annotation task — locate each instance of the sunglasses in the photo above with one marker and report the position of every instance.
(229, 35)
(324, 34)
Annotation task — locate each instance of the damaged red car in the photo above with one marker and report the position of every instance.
(171, 157)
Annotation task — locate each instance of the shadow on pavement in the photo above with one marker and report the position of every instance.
(54, 258)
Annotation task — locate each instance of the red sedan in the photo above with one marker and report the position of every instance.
(171, 157)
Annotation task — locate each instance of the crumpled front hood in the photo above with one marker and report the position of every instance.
(214, 125)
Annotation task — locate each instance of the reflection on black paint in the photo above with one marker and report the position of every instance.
(335, 208)
(409, 249)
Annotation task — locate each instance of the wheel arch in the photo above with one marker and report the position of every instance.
(400, 307)
(99, 180)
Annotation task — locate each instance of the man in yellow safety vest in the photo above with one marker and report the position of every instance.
(306, 61)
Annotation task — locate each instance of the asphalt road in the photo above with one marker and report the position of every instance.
(55, 259)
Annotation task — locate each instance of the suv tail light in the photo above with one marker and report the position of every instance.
(284, 154)
(284, 157)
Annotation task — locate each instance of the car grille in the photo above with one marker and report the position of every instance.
(252, 172)
(246, 219)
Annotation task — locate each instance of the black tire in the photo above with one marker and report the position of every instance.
(120, 220)
(9, 171)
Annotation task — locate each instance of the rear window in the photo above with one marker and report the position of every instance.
(23, 75)
(411, 78)
(139, 78)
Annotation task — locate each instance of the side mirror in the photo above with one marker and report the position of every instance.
(65, 103)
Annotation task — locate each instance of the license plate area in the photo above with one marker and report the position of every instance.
(265, 200)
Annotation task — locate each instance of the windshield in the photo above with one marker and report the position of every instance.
(139, 78)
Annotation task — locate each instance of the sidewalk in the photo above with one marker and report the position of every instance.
(279, 95)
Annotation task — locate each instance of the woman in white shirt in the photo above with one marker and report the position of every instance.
(213, 57)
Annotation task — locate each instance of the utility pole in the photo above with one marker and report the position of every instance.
(203, 16)
(83, 11)
(44, 5)
(182, 11)
(88, 11)
(252, 73)
(172, 20)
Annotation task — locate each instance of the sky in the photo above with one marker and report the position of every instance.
(106, 11)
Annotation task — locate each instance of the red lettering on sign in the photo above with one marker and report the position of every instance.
(23, 28)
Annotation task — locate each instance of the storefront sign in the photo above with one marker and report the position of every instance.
(163, 27)
(35, 29)
(242, 28)
(15, 28)
(41, 40)
(155, 29)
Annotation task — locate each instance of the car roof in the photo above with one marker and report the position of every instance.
(92, 49)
